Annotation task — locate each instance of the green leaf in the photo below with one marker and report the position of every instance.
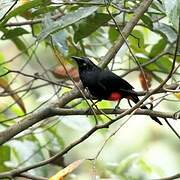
(164, 64)
(18, 109)
(147, 20)
(136, 40)
(158, 6)
(153, 11)
(23, 8)
(2, 60)
(166, 31)
(150, 67)
(12, 33)
(113, 34)
(5, 156)
(158, 48)
(173, 11)
(20, 44)
(87, 26)
(67, 20)
(36, 29)
(172, 51)
(15, 153)
(145, 166)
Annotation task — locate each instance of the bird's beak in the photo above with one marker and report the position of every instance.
(77, 59)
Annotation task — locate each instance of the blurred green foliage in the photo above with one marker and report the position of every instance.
(85, 30)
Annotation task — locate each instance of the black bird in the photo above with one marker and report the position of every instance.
(104, 84)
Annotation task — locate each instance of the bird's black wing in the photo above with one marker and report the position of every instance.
(114, 82)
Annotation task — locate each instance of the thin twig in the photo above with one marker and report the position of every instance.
(9, 10)
(126, 31)
(176, 176)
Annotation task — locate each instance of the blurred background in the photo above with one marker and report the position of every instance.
(32, 75)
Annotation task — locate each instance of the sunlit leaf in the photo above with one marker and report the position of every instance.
(136, 40)
(5, 156)
(20, 44)
(164, 64)
(2, 60)
(36, 29)
(24, 1)
(158, 48)
(144, 166)
(113, 34)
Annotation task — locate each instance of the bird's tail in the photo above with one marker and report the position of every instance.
(135, 99)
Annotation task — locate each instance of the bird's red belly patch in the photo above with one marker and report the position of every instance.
(115, 96)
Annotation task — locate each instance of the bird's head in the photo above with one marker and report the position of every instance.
(84, 63)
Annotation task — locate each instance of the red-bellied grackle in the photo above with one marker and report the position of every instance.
(104, 84)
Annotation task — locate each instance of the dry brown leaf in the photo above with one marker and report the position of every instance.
(64, 70)
(60, 73)
(28, 13)
(145, 80)
(5, 85)
(67, 170)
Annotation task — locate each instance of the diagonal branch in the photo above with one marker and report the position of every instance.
(125, 32)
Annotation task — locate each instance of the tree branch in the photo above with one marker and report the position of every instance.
(32, 177)
(126, 31)
(170, 177)
(67, 112)
(14, 172)
(31, 22)
(56, 108)
(37, 116)
(51, 109)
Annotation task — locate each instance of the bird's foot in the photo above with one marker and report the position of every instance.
(115, 109)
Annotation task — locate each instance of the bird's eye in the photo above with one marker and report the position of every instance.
(84, 64)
